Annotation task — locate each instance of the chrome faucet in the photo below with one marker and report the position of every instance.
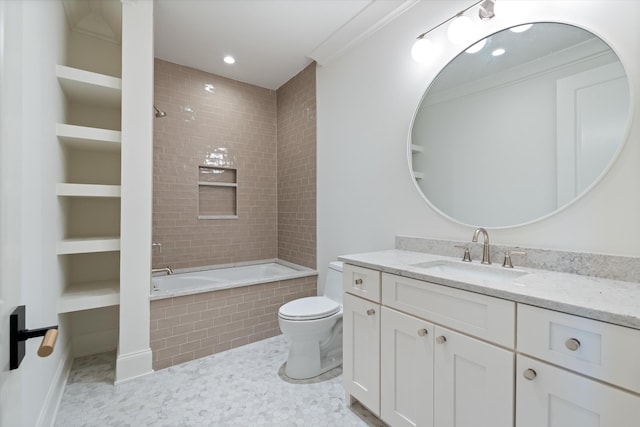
(486, 256)
(166, 269)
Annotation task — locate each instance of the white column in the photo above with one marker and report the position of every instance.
(134, 352)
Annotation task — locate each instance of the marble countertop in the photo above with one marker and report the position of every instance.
(611, 301)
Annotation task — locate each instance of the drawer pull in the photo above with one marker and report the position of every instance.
(371, 312)
(422, 332)
(572, 344)
(441, 339)
(529, 374)
(358, 282)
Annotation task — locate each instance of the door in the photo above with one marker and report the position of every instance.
(10, 183)
(473, 382)
(553, 397)
(406, 379)
(361, 351)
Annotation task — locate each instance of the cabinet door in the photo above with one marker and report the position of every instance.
(554, 397)
(406, 376)
(361, 351)
(473, 382)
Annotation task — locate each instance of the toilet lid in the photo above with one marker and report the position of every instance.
(309, 308)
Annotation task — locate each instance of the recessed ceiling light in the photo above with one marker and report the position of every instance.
(229, 59)
(498, 52)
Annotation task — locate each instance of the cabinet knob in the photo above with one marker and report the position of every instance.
(422, 332)
(358, 282)
(441, 339)
(572, 344)
(371, 312)
(529, 374)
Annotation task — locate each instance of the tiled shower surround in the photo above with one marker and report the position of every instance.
(296, 101)
(266, 136)
(263, 143)
(193, 326)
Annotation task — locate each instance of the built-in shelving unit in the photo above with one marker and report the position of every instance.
(89, 295)
(87, 190)
(88, 245)
(86, 138)
(91, 174)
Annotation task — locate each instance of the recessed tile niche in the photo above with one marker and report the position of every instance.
(217, 193)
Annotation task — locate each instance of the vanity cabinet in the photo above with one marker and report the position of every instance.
(406, 374)
(361, 336)
(595, 379)
(410, 358)
(432, 375)
(548, 396)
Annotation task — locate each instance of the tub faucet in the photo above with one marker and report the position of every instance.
(486, 256)
(166, 269)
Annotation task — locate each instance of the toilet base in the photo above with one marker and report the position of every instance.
(305, 361)
(309, 358)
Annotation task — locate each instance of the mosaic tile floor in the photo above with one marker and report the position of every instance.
(240, 387)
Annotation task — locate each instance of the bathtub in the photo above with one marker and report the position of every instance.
(186, 282)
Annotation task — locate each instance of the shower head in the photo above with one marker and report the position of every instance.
(159, 113)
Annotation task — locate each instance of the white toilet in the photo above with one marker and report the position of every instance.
(314, 327)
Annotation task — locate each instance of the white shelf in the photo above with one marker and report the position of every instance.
(416, 148)
(87, 190)
(217, 184)
(89, 138)
(418, 175)
(88, 245)
(86, 296)
(90, 88)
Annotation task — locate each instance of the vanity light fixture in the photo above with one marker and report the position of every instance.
(486, 10)
(460, 30)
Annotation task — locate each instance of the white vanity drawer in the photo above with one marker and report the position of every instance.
(362, 282)
(600, 350)
(485, 317)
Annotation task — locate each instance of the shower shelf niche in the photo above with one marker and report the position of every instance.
(217, 193)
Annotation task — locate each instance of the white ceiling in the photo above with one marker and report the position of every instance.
(271, 40)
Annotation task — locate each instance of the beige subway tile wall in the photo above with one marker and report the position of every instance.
(296, 106)
(193, 326)
(218, 122)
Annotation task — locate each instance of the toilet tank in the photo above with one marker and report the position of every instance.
(333, 281)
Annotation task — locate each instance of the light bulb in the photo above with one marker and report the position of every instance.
(229, 59)
(460, 30)
(423, 50)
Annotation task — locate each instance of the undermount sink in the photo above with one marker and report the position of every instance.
(469, 272)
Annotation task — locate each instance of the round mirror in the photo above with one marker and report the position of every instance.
(519, 125)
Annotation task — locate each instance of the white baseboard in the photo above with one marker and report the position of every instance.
(49, 410)
(133, 365)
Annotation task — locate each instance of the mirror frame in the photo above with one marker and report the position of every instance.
(455, 52)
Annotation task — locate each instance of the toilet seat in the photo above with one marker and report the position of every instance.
(309, 308)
